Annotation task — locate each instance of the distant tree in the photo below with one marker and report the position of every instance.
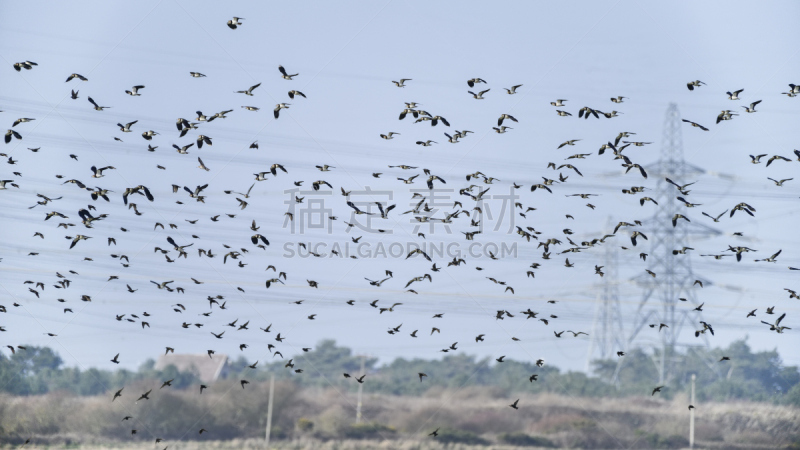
(11, 379)
(793, 396)
(236, 368)
(757, 376)
(637, 372)
(36, 359)
(181, 380)
(93, 382)
(148, 365)
(325, 359)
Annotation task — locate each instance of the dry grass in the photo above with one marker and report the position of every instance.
(235, 418)
(301, 444)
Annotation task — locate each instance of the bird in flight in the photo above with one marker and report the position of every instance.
(285, 75)
(235, 23)
(249, 91)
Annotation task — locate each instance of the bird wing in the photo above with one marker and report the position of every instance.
(352, 205)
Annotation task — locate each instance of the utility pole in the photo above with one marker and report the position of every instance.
(269, 407)
(691, 416)
(360, 389)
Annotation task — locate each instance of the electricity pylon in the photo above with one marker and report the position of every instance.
(608, 334)
(669, 296)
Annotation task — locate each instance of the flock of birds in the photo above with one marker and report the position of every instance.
(90, 219)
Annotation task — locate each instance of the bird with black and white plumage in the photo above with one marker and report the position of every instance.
(11, 133)
(586, 111)
(504, 117)
(743, 207)
(734, 95)
(452, 139)
(771, 258)
(194, 193)
(148, 135)
(202, 117)
(693, 84)
(201, 139)
(221, 114)
(695, 124)
(752, 107)
(78, 238)
(248, 91)
(279, 107)
(21, 120)
(183, 150)
(78, 76)
(27, 65)
(777, 325)
(98, 172)
(96, 106)
(569, 142)
(235, 22)
(779, 182)
(127, 127)
(285, 75)
(479, 95)
(777, 158)
(202, 165)
(384, 213)
(436, 119)
(726, 114)
(134, 92)
(141, 189)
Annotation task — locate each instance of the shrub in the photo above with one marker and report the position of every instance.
(792, 397)
(526, 440)
(370, 430)
(448, 436)
(654, 440)
(304, 425)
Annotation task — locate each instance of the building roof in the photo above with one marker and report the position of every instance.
(207, 369)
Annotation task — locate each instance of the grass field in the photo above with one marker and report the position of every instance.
(323, 419)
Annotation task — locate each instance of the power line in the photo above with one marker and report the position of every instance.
(670, 276)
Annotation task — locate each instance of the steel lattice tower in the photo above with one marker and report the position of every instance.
(607, 330)
(674, 279)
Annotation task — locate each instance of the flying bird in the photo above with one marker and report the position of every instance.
(235, 22)
(285, 75)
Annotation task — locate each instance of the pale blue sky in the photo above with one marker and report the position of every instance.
(347, 56)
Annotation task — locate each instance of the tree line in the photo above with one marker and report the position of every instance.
(748, 375)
